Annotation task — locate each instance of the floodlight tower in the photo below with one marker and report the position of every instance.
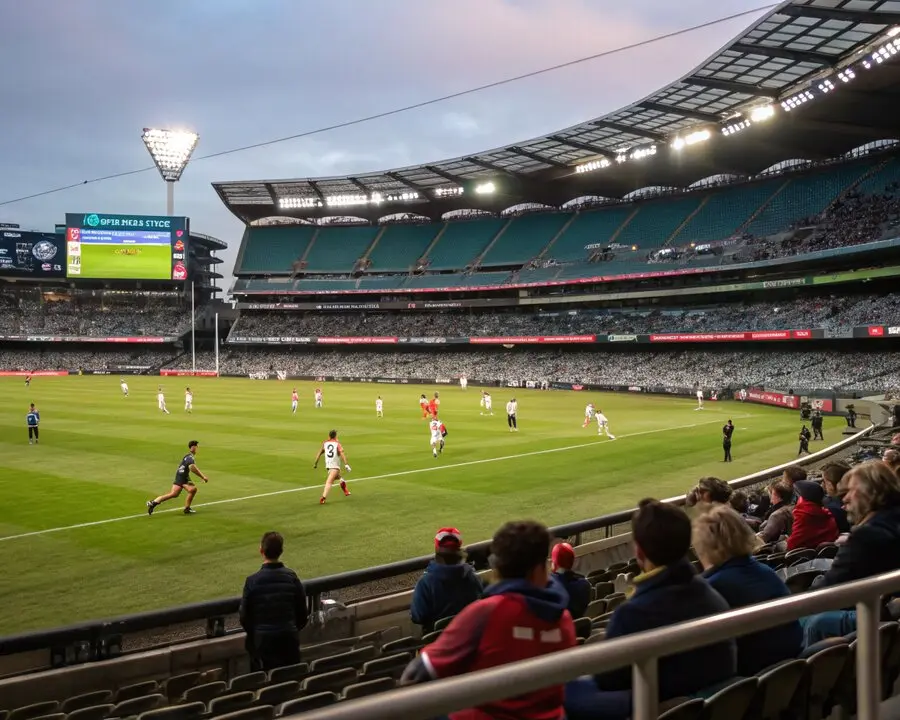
(171, 151)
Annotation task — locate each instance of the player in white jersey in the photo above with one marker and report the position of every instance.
(318, 398)
(486, 405)
(124, 386)
(512, 410)
(379, 407)
(588, 414)
(603, 424)
(438, 433)
(161, 400)
(743, 395)
(188, 400)
(334, 454)
(699, 399)
(295, 398)
(463, 382)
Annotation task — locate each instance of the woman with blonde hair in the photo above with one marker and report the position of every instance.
(724, 543)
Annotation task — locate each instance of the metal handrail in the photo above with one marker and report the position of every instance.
(642, 652)
(94, 630)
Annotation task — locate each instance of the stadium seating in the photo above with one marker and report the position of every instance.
(887, 173)
(524, 239)
(337, 248)
(656, 221)
(400, 246)
(803, 196)
(724, 212)
(588, 228)
(462, 242)
(274, 249)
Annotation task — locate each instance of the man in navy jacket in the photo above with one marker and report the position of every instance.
(667, 592)
(448, 585)
(562, 559)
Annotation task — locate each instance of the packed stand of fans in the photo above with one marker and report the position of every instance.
(128, 314)
(834, 314)
(26, 360)
(775, 369)
(852, 220)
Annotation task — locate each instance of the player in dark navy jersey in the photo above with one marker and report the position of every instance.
(182, 481)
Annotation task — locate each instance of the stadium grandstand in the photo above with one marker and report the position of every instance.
(733, 236)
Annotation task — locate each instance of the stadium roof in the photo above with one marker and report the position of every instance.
(791, 50)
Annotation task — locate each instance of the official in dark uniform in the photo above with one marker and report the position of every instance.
(273, 609)
(817, 425)
(727, 432)
(805, 435)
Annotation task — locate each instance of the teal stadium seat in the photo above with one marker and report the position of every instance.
(400, 246)
(388, 282)
(524, 239)
(804, 196)
(656, 221)
(485, 278)
(538, 275)
(725, 212)
(595, 227)
(274, 249)
(434, 281)
(337, 248)
(462, 242)
(881, 178)
(318, 285)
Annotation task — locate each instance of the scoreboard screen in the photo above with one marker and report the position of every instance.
(126, 247)
(32, 255)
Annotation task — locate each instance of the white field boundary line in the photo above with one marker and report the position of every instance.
(386, 476)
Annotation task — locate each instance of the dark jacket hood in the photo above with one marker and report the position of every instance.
(449, 572)
(547, 603)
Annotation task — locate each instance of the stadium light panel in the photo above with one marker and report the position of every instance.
(448, 191)
(641, 153)
(735, 127)
(762, 113)
(698, 136)
(171, 150)
(846, 75)
(487, 188)
(294, 203)
(347, 200)
(593, 165)
(826, 86)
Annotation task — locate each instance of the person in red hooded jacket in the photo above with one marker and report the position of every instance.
(813, 523)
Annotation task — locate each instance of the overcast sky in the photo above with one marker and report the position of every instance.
(81, 79)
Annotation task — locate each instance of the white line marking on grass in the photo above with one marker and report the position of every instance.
(401, 473)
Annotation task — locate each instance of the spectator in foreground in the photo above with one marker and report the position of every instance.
(708, 491)
(562, 560)
(834, 496)
(779, 519)
(812, 523)
(523, 615)
(448, 585)
(273, 609)
(667, 592)
(724, 544)
(873, 547)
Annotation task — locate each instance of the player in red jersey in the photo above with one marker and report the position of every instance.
(434, 406)
(334, 454)
(423, 404)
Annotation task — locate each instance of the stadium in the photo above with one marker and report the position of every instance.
(721, 253)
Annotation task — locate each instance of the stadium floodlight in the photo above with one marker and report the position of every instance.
(448, 191)
(846, 75)
(642, 152)
(826, 86)
(485, 188)
(698, 136)
(171, 151)
(795, 101)
(593, 165)
(735, 127)
(347, 200)
(294, 203)
(762, 113)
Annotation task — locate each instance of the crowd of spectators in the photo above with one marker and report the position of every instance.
(88, 316)
(774, 369)
(30, 360)
(834, 314)
(778, 370)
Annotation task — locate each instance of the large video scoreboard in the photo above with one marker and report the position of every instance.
(126, 247)
(32, 255)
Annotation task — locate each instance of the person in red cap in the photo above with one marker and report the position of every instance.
(576, 586)
(522, 615)
(448, 585)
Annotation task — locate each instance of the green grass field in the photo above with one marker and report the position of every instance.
(76, 543)
(152, 262)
